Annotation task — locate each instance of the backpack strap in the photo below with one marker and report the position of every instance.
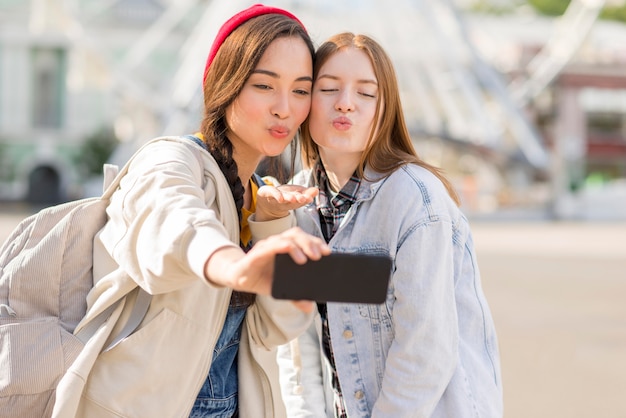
(110, 171)
(142, 303)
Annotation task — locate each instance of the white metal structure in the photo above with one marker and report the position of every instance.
(449, 90)
(571, 30)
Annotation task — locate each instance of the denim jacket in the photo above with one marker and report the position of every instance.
(430, 350)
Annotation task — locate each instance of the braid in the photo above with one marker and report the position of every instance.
(222, 152)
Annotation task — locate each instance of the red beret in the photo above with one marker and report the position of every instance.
(235, 21)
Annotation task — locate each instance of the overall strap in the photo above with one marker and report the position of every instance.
(197, 141)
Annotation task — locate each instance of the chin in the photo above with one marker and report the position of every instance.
(274, 151)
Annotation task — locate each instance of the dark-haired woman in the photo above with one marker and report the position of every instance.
(179, 228)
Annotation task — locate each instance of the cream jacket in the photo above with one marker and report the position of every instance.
(172, 211)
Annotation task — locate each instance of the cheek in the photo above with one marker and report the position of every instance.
(301, 110)
(317, 127)
(237, 112)
(317, 116)
(231, 115)
(244, 108)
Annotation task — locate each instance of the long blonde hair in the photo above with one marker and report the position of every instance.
(389, 145)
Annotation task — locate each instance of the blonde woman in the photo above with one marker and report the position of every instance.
(430, 350)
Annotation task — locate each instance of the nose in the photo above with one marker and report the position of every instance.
(281, 106)
(344, 102)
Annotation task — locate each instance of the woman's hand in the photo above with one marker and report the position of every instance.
(276, 202)
(253, 271)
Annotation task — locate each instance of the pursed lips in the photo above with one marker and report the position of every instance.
(342, 123)
(278, 131)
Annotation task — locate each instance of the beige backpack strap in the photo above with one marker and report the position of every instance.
(110, 171)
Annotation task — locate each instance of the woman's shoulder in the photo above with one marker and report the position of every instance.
(183, 142)
(415, 176)
(177, 150)
(418, 187)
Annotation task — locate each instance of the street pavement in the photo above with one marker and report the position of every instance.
(557, 291)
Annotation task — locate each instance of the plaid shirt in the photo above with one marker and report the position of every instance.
(332, 210)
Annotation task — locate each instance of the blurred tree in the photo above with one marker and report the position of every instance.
(611, 11)
(95, 151)
(7, 169)
(550, 7)
(494, 8)
(617, 13)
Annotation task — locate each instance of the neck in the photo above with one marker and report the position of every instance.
(339, 169)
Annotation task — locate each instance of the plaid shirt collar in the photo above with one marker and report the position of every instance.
(332, 209)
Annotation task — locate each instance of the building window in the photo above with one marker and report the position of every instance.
(48, 87)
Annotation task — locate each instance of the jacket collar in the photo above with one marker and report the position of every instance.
(369, 184)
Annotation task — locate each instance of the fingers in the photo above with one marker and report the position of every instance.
(254, 272)
(270, 193)
(295, 242)
(304, 195)
(276, 202)
(304, 246)
(288, 193)
(311, 192)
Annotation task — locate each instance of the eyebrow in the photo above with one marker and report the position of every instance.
(361, 81)
(276, 75)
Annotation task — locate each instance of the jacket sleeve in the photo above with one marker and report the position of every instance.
(302, 379)
(423, 355)
(273, 322)
(268, 324)
(163, 223)
(261, 230)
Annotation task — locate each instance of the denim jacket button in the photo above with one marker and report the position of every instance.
(358, 394)
(347, 334)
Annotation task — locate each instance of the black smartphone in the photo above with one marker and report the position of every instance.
(338, 277)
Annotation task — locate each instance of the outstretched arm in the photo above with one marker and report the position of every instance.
(253, 271)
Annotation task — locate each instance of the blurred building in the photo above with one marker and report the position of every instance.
(521, 111)
(580, 109)
(62, 85)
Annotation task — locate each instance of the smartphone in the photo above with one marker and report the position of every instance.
(338, 277)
